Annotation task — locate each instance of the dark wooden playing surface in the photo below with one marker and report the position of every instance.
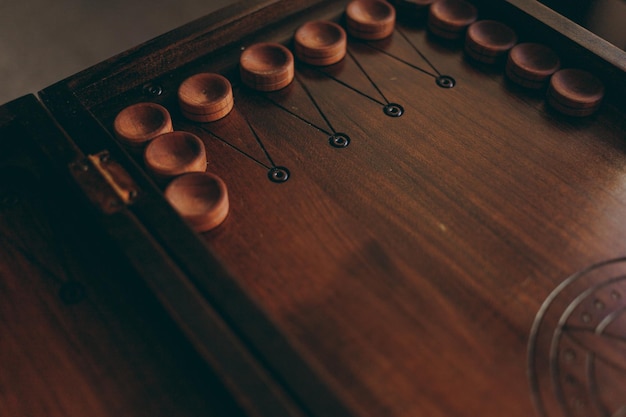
(81, 335)
(403, 274)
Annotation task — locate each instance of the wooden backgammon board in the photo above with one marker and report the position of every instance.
(418, 227)
(78, 336)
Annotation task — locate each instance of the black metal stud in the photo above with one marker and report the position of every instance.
(339, 140)
(445, 81)
(393, 110)
(278, 174)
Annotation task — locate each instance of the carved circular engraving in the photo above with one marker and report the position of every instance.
(577, 347)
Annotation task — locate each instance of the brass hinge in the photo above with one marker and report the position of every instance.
(105, 182)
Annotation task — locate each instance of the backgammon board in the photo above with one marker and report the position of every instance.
(81, 334)
(409, 232)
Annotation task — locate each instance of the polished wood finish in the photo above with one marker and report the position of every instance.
(81, 334)
(409, 272)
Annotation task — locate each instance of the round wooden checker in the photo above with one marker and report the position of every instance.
(370, 19)
(488, 40)
(205, 96)
(201, 198)
(448, 19)
(175, 153)
(138, 124)
(320, 43)
(210, 117)
(576, 352)
(531, 64)
(532, 84)
(266, 66)
(575, 92)
(570, 111)
(325, 61)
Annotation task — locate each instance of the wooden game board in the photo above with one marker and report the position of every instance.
(81, 335)
(409, 233)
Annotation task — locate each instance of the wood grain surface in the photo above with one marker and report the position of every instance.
(80, 334)
(403, 274)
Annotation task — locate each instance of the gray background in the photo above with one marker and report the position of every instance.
(43, 41)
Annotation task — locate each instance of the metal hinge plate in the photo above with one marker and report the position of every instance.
(105, 182)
